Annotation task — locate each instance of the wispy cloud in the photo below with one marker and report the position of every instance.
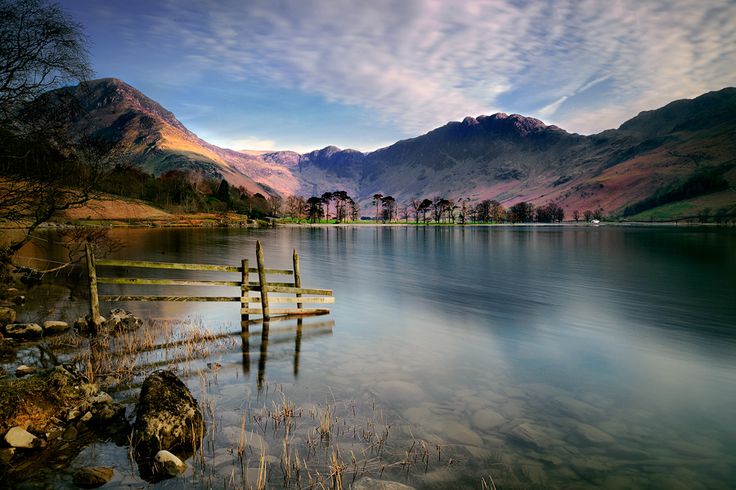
(419, 63)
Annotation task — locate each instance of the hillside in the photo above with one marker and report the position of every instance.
(506, 157)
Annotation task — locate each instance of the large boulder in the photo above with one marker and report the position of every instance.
(7, 315)
(167, 417)
(24, 330)
(18, 437)
(93, 477)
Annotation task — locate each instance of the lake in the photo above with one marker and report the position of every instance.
(549, 356)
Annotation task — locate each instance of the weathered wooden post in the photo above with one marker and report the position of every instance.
(244, 296)
(297, 278)
(94, 300)
(262, 281)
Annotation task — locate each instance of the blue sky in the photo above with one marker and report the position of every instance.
(300, 75)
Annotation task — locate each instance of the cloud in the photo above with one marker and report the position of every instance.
(419, 63)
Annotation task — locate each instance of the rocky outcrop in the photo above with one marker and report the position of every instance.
(167, 416)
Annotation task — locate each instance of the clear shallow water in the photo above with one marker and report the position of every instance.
(547, 356)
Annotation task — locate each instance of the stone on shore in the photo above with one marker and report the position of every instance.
(52, 327)
(24, 370)
(23, 330)
(122, 321)
(93, 477)
(18, 437)
(167, 416)
(7, 315)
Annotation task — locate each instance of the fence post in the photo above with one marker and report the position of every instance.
(94, 301)
(244, 293)
(297, 278)
(262, 281)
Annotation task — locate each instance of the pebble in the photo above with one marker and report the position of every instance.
(24, 370)
(86, 417)
(170, 463)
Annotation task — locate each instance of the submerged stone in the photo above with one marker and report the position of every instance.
(368, 483)
(487, 419)
(122, 321)
(93, 477)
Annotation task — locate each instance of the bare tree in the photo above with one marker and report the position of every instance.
(41, 48)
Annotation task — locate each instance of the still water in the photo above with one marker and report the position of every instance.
(568, 357)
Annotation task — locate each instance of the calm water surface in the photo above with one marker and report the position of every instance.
(543, 356)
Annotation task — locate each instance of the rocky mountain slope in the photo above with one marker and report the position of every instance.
(506, 157)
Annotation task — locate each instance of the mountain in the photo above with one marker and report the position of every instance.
(506, 157)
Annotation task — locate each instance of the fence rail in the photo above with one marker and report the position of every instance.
(262, 287)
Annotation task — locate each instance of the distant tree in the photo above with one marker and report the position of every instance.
(314, 208)
(598, 214)
(377, 203)
(483, 210)
(424, 207)
(354, 210)
(588, 214)
(416, 206)
(521, 212)
(576, 215)
(497, 212)
(295, 206)
(388, 203)
(326, 198)
(223, 193)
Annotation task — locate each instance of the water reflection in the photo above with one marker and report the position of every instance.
(284, 329)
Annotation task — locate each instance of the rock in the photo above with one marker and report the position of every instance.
(457, 432)
(592, 434)
(7, 315)
(24, 370)
(86, 417)
(53, 327)
(533, 435)
(487, 419)
(23, 330)
(93, 477)
(122, 321)
(167, 416)
(101, 398)
(70, 433)
(169, 463)
(19, 300)
(18, 437)
(6, 455)
(398, 391)
(368, 483)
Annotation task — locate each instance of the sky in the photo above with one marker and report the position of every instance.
(301, 75)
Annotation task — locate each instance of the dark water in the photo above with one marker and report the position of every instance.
(546, 356)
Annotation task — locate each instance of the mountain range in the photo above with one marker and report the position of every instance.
(510, 158)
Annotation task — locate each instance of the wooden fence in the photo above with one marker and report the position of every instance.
(262, 287)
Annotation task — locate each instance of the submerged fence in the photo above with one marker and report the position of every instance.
(262, 287)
